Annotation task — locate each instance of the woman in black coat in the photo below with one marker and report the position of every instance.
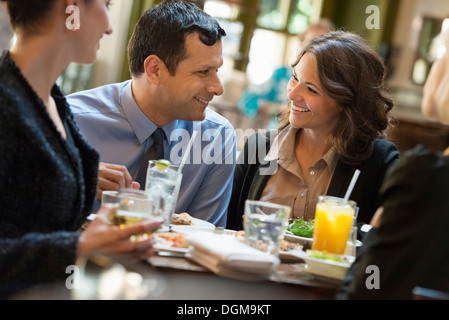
(48, 172)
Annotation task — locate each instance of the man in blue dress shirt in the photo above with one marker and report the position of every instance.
(174, 55)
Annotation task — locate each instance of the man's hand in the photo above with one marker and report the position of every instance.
(113, 177)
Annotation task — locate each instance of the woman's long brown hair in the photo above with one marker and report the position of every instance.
(352, 74)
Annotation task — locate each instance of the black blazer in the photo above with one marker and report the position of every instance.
(47, 185)
(249, 182)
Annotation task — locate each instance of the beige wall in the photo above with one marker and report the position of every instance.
(108, 67)
(405, 39)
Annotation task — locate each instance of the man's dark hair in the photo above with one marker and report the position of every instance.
(161, 31)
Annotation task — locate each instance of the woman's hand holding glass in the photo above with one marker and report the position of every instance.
(102, 237)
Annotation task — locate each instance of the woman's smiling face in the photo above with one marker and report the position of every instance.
(310, 106)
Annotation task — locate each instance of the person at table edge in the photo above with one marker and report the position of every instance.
(406, 248)
(48, 172)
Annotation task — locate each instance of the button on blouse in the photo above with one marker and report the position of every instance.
(287, 186)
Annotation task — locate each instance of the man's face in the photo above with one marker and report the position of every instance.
(187, 93)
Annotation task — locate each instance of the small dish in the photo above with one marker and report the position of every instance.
(297, 239)
(326, 267)
(171, 249)
(197, 224)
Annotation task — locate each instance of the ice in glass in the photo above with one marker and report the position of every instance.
(163, 182)
(264, 225)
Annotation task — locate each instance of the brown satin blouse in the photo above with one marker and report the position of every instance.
(287, 186)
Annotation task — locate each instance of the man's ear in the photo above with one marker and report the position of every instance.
(153, 66)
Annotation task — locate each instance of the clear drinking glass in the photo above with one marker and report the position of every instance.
(103, 277)
(164, 184)
(264, 225)
(109, 197)
(351, 246)
(134, 206)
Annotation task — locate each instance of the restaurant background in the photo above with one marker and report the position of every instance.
(263, 34)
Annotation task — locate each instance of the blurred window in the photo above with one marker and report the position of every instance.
(265, 55)
(300, 16)
(273, 14)
(274, 37)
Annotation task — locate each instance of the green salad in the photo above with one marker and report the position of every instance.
(302, 228)
(326, 256)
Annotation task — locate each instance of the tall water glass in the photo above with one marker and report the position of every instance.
(164, 184)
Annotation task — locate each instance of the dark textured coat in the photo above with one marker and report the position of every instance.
(47, 185)
(410, 247)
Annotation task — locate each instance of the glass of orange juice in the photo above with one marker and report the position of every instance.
(334, 219)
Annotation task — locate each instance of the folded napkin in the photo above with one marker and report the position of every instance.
(226, 256)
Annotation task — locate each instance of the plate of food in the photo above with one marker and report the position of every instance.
(170, 241)
(288, 250)
(300, 231)
(181, 222)
(326, 265)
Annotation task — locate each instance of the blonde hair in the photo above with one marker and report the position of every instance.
(435, 102)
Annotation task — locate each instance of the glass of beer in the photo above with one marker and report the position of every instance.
(134, 206)
(334, 219)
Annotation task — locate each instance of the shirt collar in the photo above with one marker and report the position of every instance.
(331, 159)
(139, 122)
(282, 145)
(283, 150)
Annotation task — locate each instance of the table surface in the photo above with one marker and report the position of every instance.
(185, 280)
(194, 283)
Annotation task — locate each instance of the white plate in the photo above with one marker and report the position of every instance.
(163, 244)
(304, 241)
(197, 224)
(291, 255)
(326, 268)
(297, 239)
(170, 249)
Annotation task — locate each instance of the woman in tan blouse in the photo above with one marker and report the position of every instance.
(338, 113)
